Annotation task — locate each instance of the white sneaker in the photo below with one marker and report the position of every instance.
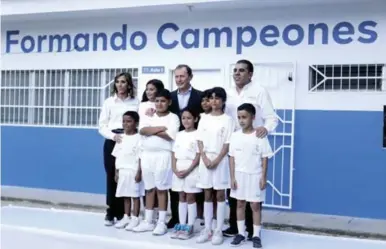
(134, 222)
(204, 236)
(109, 223)
(217, 238)
(160, 229)
(143, 227)
(122, 223)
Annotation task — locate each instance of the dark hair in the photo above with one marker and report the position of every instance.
(248, 63)
(192, 111)
(221, 93)
(206, 93)
(159, 85)
(130, 85)
(188, 69)
(164, 93)
(134, 115)
(248, 108)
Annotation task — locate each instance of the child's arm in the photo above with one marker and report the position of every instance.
(174, 164)
(263, 180)
(138, 176)
(232, 172)
(195, 163)
(169, 134)
(225, 148)
(149, 131)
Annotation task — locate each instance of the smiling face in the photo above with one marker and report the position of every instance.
(151, 92)
(128, 123)
(188, 120)
(182, 78)
(241, 75)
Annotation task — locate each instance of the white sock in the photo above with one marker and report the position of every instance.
(182, 212)
(256, 231)
(241, 227)
(149, 215)
(208, 214)
(162, 216)
(214, 224)
(220, 214)
(192, 213)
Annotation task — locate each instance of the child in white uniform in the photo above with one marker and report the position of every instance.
(128, 171)
(185, 160)
(214, 132)
(248, 162)
(159, 132)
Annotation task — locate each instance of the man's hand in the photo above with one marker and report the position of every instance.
(261, 132)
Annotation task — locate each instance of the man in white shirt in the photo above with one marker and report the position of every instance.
(247, 91)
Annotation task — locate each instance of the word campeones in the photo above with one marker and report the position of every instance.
(171, 36)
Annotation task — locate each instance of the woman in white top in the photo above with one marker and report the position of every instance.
(110, 127)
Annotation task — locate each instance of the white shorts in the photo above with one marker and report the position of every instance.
(248, 187)
(187, 184)
(157, 169)
(217, 178)
(126, 186)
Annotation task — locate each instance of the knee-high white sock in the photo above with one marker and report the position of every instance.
(220, 214)
(182, 212)
(208, 214)
(241, 227)
(149, 215)
(192, 213)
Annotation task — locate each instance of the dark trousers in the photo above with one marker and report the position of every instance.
(233, 214)
(174, 201)
(115, 206)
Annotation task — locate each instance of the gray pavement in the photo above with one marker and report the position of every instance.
(272, 219)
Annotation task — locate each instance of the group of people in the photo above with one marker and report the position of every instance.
(196, 148)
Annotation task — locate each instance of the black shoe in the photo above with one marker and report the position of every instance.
(229, 232)
(238, 240)
(171, 224)
(256, 242)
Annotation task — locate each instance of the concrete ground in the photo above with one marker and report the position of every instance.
(276, 220)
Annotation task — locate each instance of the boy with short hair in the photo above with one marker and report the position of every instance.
(248, 170)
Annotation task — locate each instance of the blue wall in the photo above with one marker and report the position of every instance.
(340, 166)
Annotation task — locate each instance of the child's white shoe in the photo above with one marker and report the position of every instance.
(134, 222)
(217, 238)
(122, 223)
(143, 227)
(204, 236)
(160, 229)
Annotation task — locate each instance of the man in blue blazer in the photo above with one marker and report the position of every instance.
(185, 96)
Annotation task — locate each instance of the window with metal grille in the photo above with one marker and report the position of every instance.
(65, 97)
(359, 77)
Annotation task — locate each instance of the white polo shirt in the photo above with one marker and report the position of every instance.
(248, 151)
(258, 96)
(111, 114)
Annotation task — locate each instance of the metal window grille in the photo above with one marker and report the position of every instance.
(63, 97)
(359, 77)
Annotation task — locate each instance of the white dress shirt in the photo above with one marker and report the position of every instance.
(183, 98)
(111, 114)
(257, 95)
